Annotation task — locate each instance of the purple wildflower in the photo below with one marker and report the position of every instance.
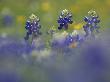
(92, 21)
(33, 27)
(64, 19)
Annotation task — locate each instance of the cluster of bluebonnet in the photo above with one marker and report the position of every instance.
(64, 19)
(92, 21)
(33, 27)
(74, 37)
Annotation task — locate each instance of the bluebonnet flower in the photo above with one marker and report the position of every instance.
(92, 21)
(73, 37)
(64, 19)
(33, 27)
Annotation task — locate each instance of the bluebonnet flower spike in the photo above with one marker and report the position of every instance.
(92, 21)
(33, 27)
(64, 19)
(72, 38)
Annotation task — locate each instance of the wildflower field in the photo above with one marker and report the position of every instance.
(54, 41)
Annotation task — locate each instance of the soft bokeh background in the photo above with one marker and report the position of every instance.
(88, 63)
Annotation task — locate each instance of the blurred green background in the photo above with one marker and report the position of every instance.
(48, 12)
